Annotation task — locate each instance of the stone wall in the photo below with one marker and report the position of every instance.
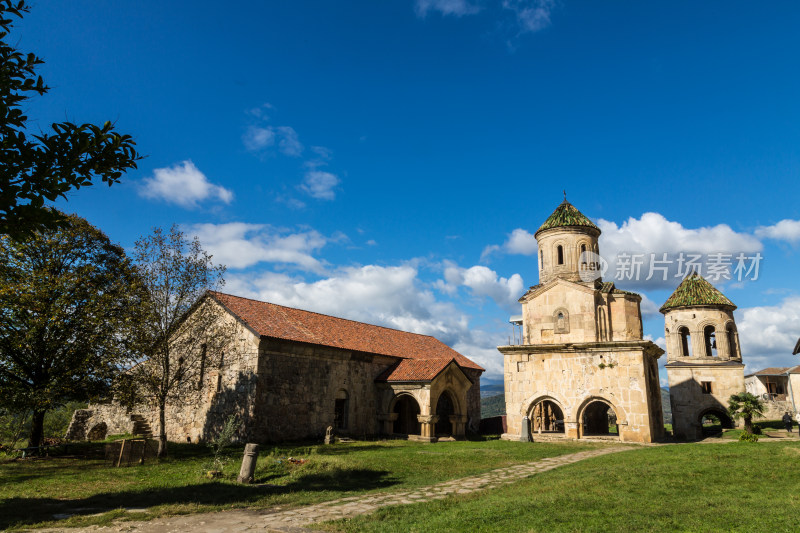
(622, 375)
(473, 400)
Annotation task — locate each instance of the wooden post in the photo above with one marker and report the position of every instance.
(248, 464)
(121, 448)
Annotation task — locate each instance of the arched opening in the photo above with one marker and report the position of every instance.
(407, 410)
(341, 409)
(547, 417)
(583, 256)
(710, 338)
(686, 341)
(445, 408)
(713, 421)
(560, 254)
(602, 325)
(733, 348)
(541, 259)
(599, 419)
(98, 432)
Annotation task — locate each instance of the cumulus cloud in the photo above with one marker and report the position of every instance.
(457, 8)
(518, 241)
(183, 184)
(531, 15)
(785, 230)
(768, 334)
(260, 138)
(320, 184)
(391, 296)
(635, 250)
(240, 245)
(483, 283)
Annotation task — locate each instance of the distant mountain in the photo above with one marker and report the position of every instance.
(492, 387)
(495, 405)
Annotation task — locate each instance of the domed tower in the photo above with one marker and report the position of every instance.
(704, 359)
(563, 237)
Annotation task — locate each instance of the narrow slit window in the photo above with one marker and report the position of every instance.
(560, 253)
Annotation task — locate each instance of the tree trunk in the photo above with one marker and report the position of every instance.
(162, 430)
(748, 424)
(37, 429)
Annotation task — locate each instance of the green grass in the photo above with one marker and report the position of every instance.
(32, 491)
(688, 487)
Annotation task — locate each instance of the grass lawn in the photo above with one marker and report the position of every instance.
(689, 487)
(33, 490)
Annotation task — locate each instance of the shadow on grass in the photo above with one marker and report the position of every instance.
(23, 511)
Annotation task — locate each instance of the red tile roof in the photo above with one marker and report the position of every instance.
(771, 371)
(414, 370)
(272, 320)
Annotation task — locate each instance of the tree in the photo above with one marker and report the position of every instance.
(64, 296)
(745, 405)
(45, 167)
(177, 335)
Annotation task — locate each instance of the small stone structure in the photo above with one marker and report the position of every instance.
(778, 388)
(292, 373)
(704, 359)
(582, 367)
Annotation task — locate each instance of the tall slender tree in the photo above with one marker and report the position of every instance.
(176, 335)
(43, 167)
(65, 295)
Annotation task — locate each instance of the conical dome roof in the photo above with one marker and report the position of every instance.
(695, 291)
(566, 215)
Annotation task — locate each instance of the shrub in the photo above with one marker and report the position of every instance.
(757, 429)
(748, 437)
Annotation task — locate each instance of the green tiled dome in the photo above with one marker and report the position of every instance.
(695, 291)
(566, 215)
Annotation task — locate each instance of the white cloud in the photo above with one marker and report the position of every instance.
(240, 245)
(319, 184)
(531, 15)
(391, 296)
(183, 184)
(519, 242)
(259, 138)
(654, 234)
(483, 283)
(768, 334)
(457, 8)
(785, 230)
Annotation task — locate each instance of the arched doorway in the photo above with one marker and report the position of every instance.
(445, 408)
(546, 416)
(407, 410)
(713, 421)
(599, 419)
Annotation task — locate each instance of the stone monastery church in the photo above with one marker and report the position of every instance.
(292, 373)
(582, 367)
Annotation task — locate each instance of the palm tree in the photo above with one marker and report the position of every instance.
(745, 405)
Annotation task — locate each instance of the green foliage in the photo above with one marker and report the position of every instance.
(748, 437)
(65, 295)
(222, 440)
(493, 406)
(15, 425)
(746, 406)
(44, 167)
(756, 429)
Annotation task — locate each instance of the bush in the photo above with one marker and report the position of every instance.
(748, 437)
(757, 429)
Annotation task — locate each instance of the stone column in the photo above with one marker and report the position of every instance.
(387, 422)
(427, 424)
(248, 464)
(459, 425)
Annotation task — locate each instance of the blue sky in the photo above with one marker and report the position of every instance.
(389, 161)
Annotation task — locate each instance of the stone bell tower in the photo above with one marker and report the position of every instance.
(582, 367)
(704, 359)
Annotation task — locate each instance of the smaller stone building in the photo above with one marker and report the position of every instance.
(704, 359)
(778, 388)
(290, 374)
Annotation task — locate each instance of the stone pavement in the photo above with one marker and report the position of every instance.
(293, 520)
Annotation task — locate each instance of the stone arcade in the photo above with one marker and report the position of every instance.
(293, 373)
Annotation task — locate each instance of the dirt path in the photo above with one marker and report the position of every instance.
(295, 519)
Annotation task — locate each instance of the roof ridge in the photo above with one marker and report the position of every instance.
(323, 314)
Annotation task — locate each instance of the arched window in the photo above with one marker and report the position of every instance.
(203, 353)
(560, 253)
(583, 255)
(709, 336)
(541, 259)
(733, 351)
(686, 342)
